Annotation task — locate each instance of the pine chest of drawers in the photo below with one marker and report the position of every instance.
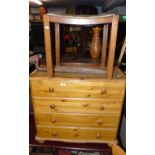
(78, 102)
(75, 109)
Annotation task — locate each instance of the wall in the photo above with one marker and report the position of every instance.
(118, 10)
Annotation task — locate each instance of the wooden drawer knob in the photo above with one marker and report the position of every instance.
(76, 135)
(101, 108)
(51, 90)
(85, 104)
(99, 122)
(103, 91)
(54, 133)
(98, 136)
(53, 120)
(52, 106)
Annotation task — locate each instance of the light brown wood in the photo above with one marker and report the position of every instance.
(81, 70)
(77, 88)
(112, 44)
(104, 44)
(76, 133)
(76, 105)
(117, 75)
(121, 52)
(80, 20)
(77, 120)
(48, 49)
(72, 107)
(86, 105)
(92, 65)
(117, 150)
(85, 20)
(57, 43)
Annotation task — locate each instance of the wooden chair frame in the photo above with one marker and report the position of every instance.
(81, 20)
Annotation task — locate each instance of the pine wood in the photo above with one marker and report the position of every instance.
(117, 75)
(77, 120)
(117, 150)
(77, 105)
(104, 44)
(112, 44)
(49, 61)
(73, 64)
(80, 20)
(57, 43)
(82, 70)
(76, 134)
(121, 52)
(77, 88)
(85, 20)
(64, 103)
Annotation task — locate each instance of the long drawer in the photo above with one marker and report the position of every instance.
(76, 105)
(77, 88)
(76, 134)
(77, 120)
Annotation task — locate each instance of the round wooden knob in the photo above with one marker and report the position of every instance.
(101, 108)
(51, 90)
(98, 135)
(103, 91)
(76, 135)
(99, 122)
(85, 104)
(53, 120)
(52, 106)
(54, 133)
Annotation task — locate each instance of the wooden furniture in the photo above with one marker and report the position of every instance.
(80, 20)
(78, 106)
(58, 145)
(117, 150)
(121, 53)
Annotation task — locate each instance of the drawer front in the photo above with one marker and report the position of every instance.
(77, 88)
(77, 120)
(51, 105)
(73, 134)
